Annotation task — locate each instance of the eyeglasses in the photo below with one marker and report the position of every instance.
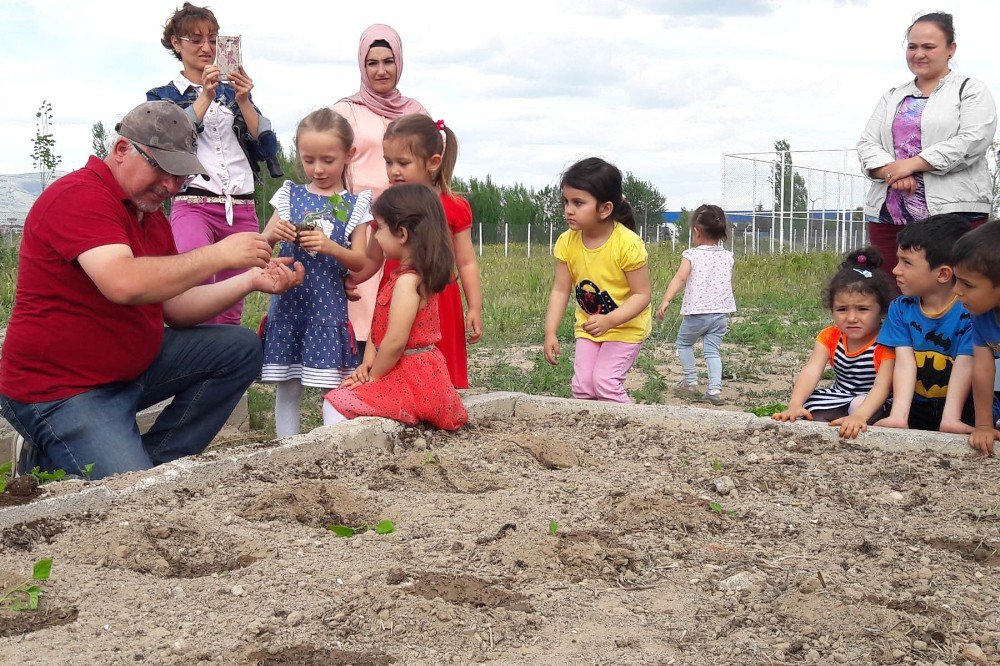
(184, 180)
(198, 41)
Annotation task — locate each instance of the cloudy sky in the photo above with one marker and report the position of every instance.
(660, 87)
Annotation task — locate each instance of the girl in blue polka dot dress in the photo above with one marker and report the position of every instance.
(308, 340)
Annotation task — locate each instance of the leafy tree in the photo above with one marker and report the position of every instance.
(991, 162)
(647, 202)
(548, 205)
(100, 140)
(794, 191)
(486, 201)
(43, 156)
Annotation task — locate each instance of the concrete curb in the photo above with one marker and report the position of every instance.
(214, 467)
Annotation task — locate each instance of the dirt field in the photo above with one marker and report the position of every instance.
(673, 542)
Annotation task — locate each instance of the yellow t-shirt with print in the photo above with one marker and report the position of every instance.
(599, 282)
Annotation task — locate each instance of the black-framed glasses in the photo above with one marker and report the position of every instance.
(198, 40)
(156, 165)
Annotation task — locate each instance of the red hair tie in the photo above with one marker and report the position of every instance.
(444, 137)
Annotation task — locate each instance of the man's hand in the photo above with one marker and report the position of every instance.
(277, 277)
(244, 250)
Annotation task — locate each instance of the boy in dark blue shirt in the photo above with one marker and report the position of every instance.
(977, 282)
(931, 331)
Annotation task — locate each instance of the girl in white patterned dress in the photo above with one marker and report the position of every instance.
(707, 269)
(308, 340)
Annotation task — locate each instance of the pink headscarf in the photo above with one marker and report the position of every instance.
(392, 104)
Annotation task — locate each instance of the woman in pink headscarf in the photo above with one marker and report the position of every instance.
(369, 111)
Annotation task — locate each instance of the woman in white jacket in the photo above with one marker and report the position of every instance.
(925, 145)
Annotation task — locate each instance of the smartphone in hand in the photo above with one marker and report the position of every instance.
(228, 56)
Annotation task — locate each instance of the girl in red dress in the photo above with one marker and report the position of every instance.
(420, 150)
(404, 376)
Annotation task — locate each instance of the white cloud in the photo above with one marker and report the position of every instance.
(661, 87)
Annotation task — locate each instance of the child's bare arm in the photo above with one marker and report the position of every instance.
(983, 377)
(854, 424)
(402, 313)
(904, 382)
(674, 288)
(959, 384)
(640, 294)
(558, 298)
(805, 383)
(468, 273)
(374, 258)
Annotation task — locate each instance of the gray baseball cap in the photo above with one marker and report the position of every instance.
(168, 133)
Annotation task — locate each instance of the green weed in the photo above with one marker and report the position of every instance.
(715, 507)
(383, 527)
(553, 527)
(6, 474)
(717, 464)
(768, 410)
(25, 594)
(47, 477)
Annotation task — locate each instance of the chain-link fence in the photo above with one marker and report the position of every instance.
(539, 239)
(795, 200)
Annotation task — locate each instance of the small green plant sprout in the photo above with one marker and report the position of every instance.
(768, 410)
(25, 595)
(339, 207)
(717, 464)
(88, 469)
(6, 474)
(430, 460)
(984, 513)
(383, 527)
(553, 527)
(48, 477)
(715, 507)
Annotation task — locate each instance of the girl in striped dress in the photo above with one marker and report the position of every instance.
(858, 297)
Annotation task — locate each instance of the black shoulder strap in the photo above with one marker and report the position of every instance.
(961, 89)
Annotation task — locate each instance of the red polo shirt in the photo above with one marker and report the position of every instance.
(64, 336)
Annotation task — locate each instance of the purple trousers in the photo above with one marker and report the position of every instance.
(198, 225)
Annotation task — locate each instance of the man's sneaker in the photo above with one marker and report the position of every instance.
(16, 446)
(684, 390)
(714, 397)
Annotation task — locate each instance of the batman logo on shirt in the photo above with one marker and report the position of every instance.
(593, 300)
(916, 326)
(933, 373)
(938, 340)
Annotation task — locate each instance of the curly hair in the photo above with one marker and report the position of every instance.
(183, 22)
(859, 274)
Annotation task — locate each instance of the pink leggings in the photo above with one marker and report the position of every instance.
(198, 225)
(599, 369)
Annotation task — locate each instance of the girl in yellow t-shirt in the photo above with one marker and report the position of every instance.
(603, 261)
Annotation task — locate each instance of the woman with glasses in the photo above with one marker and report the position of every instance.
(233, 137)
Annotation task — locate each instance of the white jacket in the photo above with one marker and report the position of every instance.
(955, 135)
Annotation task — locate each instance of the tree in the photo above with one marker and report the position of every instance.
(43, 156)
(646, 201)
(289, 161)
(790, 193)
(100, 140)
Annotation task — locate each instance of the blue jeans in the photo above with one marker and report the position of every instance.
(711, 328)
(205, 369)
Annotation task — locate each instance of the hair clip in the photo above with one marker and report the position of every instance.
(865, 274)
(862, 259)
(440, 124)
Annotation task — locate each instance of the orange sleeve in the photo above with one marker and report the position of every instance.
(829, 337)
(883, 353)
